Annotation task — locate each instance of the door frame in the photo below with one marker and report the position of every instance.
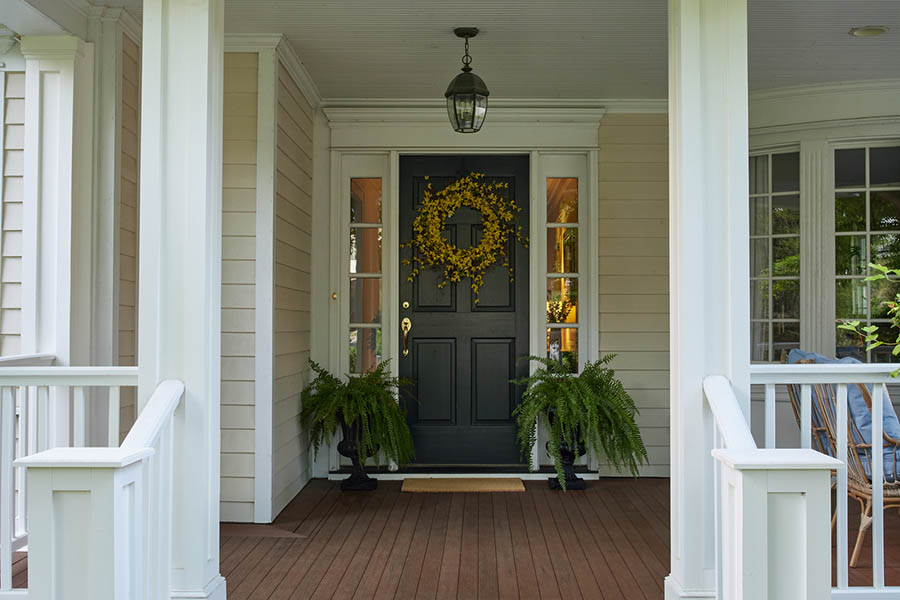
(368, 142)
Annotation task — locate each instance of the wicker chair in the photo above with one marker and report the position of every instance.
(859, 453)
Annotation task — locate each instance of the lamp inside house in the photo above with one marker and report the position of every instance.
(467, 95)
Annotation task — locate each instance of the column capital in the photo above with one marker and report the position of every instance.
(51, 47)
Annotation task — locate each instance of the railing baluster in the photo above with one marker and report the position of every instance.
(7, 485)
(877, 487)
(43, 403)
(841, 498)
(770, 415)
(805, 416)
(19, 473)
(79, 416)
(113, 425)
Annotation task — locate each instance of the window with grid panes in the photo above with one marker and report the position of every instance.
(562, 270)
(867, 229)
(365, 340)
(774, 254)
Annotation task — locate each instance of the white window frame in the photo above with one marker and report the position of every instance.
(770, 195)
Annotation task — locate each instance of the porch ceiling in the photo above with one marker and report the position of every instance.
(559, 49)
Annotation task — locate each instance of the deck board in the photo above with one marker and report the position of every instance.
(609, 542)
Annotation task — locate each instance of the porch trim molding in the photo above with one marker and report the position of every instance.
(640, 105)
(412, 128)
(253, 42)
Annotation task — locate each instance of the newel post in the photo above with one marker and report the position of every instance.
(776, 541)
(708, 262)
(180, 265)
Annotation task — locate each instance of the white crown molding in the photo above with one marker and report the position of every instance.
(800, 106)
(128, 24)
(47, 47)
(497, 113)
(251, 42)
(299, 74)
(522, 104)
(841, 88)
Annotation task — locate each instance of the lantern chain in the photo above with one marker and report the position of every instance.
(467, 58)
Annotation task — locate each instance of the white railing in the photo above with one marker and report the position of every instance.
(43, 407)
(839, 377)
(771, 510)
(101, 518)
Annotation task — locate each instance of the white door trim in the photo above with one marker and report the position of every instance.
(391, 132)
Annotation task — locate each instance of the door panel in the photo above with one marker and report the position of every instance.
(462, 355)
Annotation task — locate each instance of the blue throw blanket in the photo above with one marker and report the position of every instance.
(860, 414)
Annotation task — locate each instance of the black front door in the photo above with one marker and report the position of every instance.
(462, 354)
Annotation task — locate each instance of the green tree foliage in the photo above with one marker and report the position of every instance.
(870, 334)
(592, 407)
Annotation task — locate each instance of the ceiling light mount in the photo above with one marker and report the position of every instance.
(869, 30)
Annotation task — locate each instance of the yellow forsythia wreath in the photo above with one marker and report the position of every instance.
(498, 213)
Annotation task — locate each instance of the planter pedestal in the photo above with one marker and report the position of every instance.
(573, 482)
(358, 481)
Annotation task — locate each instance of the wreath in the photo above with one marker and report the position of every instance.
(431, 248)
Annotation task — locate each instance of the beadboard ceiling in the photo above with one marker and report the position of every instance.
(573, 49)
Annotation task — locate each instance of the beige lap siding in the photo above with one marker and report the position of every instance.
(238, 287)
(633, 269)
(128, 221)
(291, 309)
(13, 123)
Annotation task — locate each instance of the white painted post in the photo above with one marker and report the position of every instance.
(180, 264)
(709, 262)
(56, 265)
(777, 534)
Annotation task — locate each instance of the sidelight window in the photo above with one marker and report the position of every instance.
(562, 270)
(365, 273)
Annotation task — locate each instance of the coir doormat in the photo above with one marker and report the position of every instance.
(463, 484)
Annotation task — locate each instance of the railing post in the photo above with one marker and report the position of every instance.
(86, 542)
(776, 534)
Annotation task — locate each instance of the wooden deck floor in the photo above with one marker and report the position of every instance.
(609, 542)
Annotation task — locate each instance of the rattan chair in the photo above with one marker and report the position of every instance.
(859, 453)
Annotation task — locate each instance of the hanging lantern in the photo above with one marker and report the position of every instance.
(467, 95)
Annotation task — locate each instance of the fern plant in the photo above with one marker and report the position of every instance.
(368, 401)
(591, 407)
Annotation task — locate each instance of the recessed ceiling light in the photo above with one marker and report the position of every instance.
(869, 31)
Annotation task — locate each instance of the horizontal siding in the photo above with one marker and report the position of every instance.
(13, 194)
(633, 269)
(292, 282)
(238, 436)
(128, 221)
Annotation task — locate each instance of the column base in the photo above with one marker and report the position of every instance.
(214, 590)
(674, 591)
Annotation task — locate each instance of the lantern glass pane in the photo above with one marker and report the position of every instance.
(480, 110)
(451, 112)
(465, 110)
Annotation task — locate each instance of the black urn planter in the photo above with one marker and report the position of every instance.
(568, 455)
(358, 480)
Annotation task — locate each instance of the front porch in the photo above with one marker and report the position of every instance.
(612, 541)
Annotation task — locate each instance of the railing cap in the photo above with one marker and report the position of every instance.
(84, 458)
(778, 459)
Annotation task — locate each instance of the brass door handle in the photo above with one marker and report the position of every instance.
(405, 326)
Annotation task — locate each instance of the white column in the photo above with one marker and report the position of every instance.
(56, 263)
(817, 329)
(180, 264)
(709, 262)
